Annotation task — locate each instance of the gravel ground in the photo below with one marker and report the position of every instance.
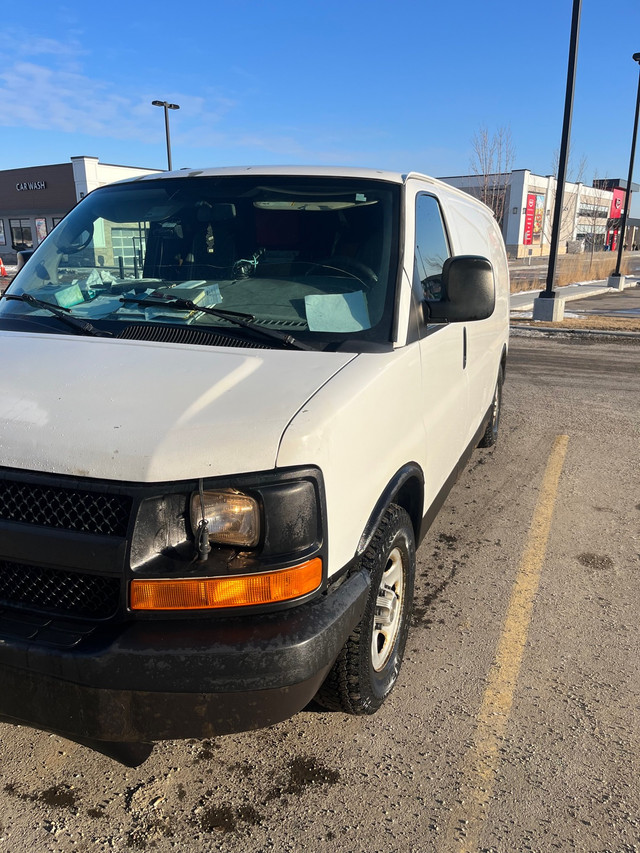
(569, 759)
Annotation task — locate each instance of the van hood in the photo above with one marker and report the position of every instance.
(146, 412)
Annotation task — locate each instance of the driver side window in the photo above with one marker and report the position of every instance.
(431, 249)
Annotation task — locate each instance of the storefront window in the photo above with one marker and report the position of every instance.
(41, 228)
(21, 235)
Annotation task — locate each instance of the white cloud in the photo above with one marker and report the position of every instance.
(24, 45)
(45, 97)
(45, 88)
(60, 97)
(41, 97)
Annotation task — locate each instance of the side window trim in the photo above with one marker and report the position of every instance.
(446, 247)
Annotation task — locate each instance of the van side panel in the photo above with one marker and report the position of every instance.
(474, 231)
(360, 429)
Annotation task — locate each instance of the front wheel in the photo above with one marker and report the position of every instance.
(368, 665)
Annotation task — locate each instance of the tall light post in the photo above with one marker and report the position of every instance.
(548, 292)
(167, 106)
(625, 212)
(546, 306)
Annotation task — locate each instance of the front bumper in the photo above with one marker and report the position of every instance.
(174, 679)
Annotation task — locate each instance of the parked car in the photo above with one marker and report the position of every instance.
(237, 400)
(22, 256)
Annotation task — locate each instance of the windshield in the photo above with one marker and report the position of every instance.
(313, 257)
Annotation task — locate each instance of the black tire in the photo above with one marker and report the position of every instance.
(368, 664)
(490, 436)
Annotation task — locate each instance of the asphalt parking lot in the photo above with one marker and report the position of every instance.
(616, 304)
(514, 724)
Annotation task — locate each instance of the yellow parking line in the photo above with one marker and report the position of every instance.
(481, 763)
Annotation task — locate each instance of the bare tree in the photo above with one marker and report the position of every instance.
(586, 213)
(574, 175)
(594, 214)
(575, 170)
(567, 216)
(492, 161)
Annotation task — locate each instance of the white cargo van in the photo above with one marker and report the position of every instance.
(232, 402)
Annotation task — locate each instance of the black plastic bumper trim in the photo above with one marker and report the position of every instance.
(158, 681)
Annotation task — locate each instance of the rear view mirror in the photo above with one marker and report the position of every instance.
(217, 212)
(468, 291)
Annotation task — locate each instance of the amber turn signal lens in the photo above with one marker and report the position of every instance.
(231, 591)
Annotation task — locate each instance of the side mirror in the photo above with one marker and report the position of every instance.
(468, 291)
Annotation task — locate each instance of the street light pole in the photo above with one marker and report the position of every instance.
(167, 106)
(627, 201)
(548, 292)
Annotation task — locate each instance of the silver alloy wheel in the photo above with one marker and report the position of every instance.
(388, 614)
(368, 664)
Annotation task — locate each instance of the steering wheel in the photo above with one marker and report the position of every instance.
(351, 266)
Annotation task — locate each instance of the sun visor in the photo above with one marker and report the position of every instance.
(135, 205)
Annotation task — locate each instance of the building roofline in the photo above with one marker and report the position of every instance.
(482, 175)
(114, 165)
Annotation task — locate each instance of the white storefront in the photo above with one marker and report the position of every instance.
(524, 203)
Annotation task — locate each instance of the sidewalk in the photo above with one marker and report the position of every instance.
(522, 309)
(521, 302)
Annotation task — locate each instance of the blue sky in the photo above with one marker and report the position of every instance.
(386, 83)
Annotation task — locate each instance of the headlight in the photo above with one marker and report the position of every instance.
(232, 518)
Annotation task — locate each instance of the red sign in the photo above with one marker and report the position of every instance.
(529, 219)
(617, 203)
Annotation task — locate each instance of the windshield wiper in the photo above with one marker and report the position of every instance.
(246, 321)
(82, 327)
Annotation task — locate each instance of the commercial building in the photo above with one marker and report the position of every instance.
(34, 199)
(524, 203)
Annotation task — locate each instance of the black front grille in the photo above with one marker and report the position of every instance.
(67, 509)
(61, 592)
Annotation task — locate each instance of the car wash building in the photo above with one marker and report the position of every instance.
(34, 199)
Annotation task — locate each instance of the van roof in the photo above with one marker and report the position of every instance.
(307, 171)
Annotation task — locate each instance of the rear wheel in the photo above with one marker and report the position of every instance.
(368, 665)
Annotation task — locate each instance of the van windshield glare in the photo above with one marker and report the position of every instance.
(315, 257)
